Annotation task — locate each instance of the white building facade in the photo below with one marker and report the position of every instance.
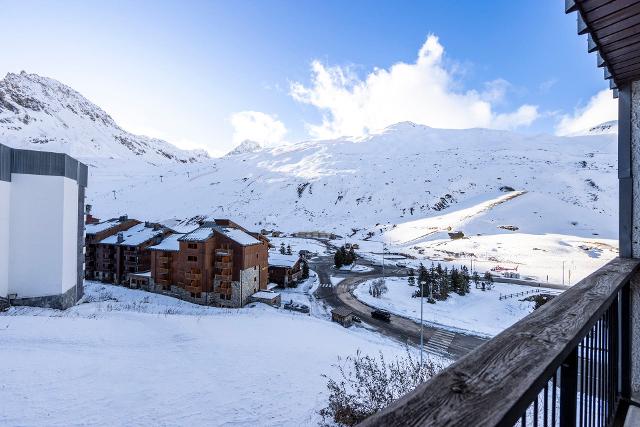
(41, 228)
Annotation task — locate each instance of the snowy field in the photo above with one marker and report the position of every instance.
(135, 358)
(479, 312)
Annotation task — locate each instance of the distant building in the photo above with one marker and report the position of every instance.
(100, 261)
(314, 235)
(284, 269)
(125, 251)
(220, 263)
(267, 297)
(41, 228)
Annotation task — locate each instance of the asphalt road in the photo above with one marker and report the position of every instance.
(437, 340)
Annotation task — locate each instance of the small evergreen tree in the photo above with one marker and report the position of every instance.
(352, 255)
(289, 250)
(411, 280)
(338, 259)
(282, 250)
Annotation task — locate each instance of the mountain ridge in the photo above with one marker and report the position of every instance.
(44, 114)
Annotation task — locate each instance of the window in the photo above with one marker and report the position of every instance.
(255, 279)
(192, 258)
(192, 246)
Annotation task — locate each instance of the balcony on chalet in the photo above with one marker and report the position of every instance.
(576, 360)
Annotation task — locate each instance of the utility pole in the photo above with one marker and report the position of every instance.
(421, 322)
(160, 178)
(114, 194)
(382, 260)
(563, 272)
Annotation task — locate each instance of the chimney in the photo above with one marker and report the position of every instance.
(87, 209)
(120, 237)
(123, 218)
(146, 224)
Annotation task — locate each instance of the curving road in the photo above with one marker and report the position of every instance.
(437, 340)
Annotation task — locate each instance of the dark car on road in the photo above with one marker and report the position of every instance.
(293, 306)
(383, 315)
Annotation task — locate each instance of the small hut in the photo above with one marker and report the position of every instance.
(342, 315)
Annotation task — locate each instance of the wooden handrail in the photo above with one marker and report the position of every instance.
(490, 385)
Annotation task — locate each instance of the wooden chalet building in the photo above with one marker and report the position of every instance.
(100, 260)
(126, 251)
(284, 269)
(220, 263)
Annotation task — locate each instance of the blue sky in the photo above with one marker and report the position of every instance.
(208, 74)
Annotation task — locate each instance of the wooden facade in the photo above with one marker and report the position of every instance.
(100, 260)
(206, 265)
(285, 275)
(111, 256)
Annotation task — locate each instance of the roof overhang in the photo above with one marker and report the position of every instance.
(613, 33)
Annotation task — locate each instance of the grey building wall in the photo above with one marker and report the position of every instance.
(629, 174)
(30, 162)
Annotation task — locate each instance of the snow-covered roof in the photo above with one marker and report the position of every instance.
(239, 236)
(180, 225)
(198, 235)
(265, 295)
(169, 243)
(279, 260)
(101, 226)
(141, 274)
(134, 236)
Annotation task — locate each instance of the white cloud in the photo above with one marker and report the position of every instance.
(256, 126)
(423, 92)
(602, 107)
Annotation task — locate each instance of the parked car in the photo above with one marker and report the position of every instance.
(383, 315)
(294, 306)
(356, 319)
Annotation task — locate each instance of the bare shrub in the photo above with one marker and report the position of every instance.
(368, 384)
(378, 288)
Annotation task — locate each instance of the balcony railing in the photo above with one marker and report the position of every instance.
(566, 364)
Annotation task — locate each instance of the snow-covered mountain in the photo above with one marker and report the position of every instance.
(41, 113)
(610, 127)
(404, 173)
(246, 146)
(516, 198)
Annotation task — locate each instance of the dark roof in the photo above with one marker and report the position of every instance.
(613, 29)
(342, 311)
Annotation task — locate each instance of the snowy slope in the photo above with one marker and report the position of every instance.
(408, 185)
(134, 358)
(406, 173)
(43, 114)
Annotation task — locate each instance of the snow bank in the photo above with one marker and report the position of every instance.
(479, 312)
(134, 358)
